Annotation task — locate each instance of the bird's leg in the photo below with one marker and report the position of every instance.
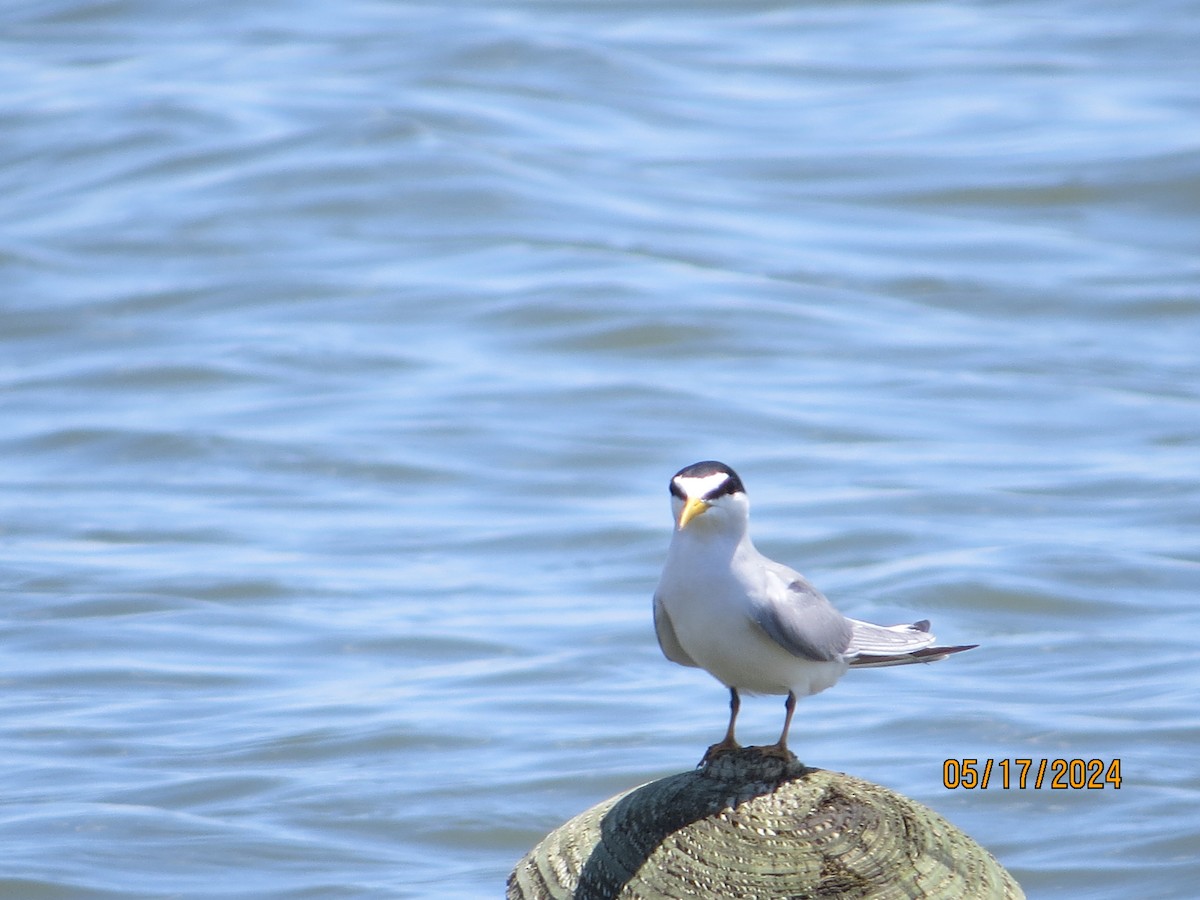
(728, 742)
(735, 705)
(779, 748)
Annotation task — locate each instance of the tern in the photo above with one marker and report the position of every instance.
(752, 623)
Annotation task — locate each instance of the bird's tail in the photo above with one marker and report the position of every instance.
(872, 646)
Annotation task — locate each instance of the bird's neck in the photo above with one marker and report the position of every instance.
(714, 544)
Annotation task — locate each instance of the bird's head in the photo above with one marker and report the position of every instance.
(709, 495)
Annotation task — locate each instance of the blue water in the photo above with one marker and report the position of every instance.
(346, 351)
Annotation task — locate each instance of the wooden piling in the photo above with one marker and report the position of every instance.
(752, 826)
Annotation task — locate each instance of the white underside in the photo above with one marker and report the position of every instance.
(708, 610)
(742, 656)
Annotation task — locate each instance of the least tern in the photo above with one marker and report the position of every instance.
(752, 623)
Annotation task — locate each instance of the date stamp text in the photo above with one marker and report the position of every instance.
(1020, 774)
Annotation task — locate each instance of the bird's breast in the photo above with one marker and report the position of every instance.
(713, 623)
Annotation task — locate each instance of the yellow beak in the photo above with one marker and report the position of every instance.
(694, 507)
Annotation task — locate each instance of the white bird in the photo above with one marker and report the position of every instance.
(752, 623)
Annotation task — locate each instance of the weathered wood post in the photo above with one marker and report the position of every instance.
(752, 826)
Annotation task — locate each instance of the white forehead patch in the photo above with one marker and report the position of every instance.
(699, 487)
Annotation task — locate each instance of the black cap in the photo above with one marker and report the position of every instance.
(731, 485)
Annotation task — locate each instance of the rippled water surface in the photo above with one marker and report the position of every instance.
(346, 351)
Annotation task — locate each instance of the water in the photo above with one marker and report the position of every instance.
(346, 351)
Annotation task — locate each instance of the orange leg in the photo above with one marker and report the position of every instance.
(780, 748)
(728, 742)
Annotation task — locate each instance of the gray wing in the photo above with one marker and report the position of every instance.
(667, 640)
(802, 621)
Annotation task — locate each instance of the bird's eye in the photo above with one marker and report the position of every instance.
(727, 486)
(676, 490)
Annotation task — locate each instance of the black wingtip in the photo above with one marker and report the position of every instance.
(942, 652)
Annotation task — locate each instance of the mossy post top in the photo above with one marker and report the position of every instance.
(748, 825)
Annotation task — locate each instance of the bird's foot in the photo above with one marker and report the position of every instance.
(728, 745)
(775, 751)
